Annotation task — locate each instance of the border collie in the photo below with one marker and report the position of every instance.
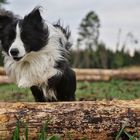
(35, 56)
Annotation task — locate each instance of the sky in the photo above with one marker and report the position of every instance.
(117, 17)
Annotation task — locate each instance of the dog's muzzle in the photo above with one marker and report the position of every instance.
(14, 53)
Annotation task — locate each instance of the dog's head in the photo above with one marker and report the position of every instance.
(22, 36)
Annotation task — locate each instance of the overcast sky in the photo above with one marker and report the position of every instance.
(113, 14)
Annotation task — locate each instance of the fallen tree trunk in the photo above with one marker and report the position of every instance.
(121, 76)
(96, 71)
(96, 120)
(2, 72)
(106, 74)
(93, 78)
(4, 80)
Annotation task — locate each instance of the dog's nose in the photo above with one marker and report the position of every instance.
(14, 52)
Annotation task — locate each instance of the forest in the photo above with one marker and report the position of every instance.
(95, 54)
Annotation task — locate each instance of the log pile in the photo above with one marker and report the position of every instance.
(3, 78)
(2, 72)
(106, 74)
(96, 120)
(92, 75)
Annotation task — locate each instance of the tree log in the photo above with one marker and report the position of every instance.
(93, 78)
(106, 74)
(5, 80)
(96, 120)
(2, 72)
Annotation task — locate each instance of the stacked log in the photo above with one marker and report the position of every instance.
(2, 72)
(3, 78)
(106, 74)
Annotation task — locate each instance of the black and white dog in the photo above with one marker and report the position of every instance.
(35, 56)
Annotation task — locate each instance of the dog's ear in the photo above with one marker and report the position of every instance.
(6, 17)
(33, 17)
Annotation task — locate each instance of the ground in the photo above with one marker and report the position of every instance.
(115, 89)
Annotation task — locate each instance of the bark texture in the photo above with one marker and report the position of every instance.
(95, 120)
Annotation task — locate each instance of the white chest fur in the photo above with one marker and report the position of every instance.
(35, 68)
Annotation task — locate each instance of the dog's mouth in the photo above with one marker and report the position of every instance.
(17, 58)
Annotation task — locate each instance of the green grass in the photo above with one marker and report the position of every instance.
(41, 136)
(115, 89)
(12, 93)
(124, 135)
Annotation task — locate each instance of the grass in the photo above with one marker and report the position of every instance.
(124, 135)
(12, 93)
(115, 89)
(41, 136)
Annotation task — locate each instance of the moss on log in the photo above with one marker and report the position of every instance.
(96, 120)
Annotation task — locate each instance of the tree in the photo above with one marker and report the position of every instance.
(89, 30)
(88, 37)
(102, 55)
(3, 2)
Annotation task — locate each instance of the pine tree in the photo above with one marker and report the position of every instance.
(89, 30)
(88, 37)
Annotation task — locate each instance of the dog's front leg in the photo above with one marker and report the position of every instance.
(38, 94)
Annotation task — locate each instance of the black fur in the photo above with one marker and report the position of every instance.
(66, 31)
(33, 33)
(34, 37)
(38, 94)
(7, 28)
(65, 84)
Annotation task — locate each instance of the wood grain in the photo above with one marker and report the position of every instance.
(96, 120)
